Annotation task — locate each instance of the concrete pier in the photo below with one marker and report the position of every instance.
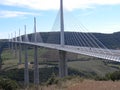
(26, 70)
(20, 59)
(15, 50)
(20, 48)
(36, 63)
(63, 70)
(36, 68)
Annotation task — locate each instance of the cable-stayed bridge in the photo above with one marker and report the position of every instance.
(103, 53)
(75, 42)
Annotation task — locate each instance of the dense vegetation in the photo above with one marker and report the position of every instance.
(8, 84)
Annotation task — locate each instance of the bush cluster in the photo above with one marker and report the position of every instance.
(7, 84)
(115, 76)
(52, 80)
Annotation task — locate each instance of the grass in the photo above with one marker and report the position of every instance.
(84, 64)
(9, 58)
(92, 65)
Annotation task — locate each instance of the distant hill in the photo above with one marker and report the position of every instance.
(72, 38)
(109, 40)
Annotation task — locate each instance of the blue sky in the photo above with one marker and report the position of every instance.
(101, 16)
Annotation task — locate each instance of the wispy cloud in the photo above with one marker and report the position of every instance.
(9, 14)
(54, 4)
(87, 13)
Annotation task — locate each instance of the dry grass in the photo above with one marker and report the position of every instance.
(83, 85)
(95, 85)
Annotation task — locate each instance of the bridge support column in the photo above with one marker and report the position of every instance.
(15, 50)
(12, 49)
(36, 68)
(9, 45)
(63, 70)
(20, 49)
(12, 44)
(26, 71)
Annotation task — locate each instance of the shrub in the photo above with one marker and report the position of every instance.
(113, 76)
(7, 84)
(52, 80)
(98, 78)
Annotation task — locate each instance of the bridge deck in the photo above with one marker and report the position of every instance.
(95, 52)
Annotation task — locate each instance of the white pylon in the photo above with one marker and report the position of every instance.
(63, 71)
(62, 41)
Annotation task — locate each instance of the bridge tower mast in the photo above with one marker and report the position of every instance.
(62, 62)
(62, 23)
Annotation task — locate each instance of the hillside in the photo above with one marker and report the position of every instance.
(81, 65)
(109, 40)
(72, 38)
